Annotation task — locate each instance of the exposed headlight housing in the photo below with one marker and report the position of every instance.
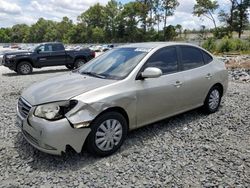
(54, 111)
(10, 56)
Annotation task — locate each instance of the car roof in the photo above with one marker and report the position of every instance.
(153, 45)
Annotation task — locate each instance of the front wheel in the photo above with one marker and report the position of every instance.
(24, 68)
(108, 132)
(213, 100)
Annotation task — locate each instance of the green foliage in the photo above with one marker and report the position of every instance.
(221, 32)
(170, 33)
(210, 44)
(236, 18)
(206, 8)
(226, 45)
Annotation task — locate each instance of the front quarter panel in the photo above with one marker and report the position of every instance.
(95, 102)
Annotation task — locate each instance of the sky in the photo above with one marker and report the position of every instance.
(29, 11)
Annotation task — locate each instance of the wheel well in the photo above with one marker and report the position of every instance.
(220, 86)
(119, 110)
(80, 58)
(22, 60)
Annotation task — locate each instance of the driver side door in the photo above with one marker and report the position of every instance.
(44, 54)
(158, 98)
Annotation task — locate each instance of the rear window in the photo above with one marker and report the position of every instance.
(207, 58)
(191, 57)
(58, 47)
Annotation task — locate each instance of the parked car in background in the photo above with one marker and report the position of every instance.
(45, 55)
(107, 47)
(123, 89)
(96, 48)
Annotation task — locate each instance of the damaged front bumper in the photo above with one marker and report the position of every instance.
(53, 136)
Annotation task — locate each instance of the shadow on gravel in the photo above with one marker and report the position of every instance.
(12, 74)
(72, 161)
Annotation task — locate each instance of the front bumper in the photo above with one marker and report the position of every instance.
(10, 63)
(52, 136)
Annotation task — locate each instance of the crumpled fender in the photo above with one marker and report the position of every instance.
(85, 113)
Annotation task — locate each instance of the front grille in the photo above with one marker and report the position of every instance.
(23, 108)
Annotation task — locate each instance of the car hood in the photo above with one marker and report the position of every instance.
(62, 87)
(18, 53)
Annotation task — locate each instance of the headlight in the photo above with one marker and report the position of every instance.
(54, 111)
(10, 56)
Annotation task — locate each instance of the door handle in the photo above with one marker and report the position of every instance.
(209, 76)
(178, 84)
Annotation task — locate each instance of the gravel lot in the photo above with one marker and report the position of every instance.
(189, 150)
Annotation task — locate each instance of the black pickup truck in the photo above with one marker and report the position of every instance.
(45, 55)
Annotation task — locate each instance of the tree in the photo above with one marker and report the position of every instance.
(179, 29)
(169, 33)
(112, 11)
(94, 16)
(206, 8)
(237, 18)
(19, 33)
(168, 6)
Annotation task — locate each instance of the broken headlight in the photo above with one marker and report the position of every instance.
(54, 111)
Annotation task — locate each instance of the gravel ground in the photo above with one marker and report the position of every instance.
(189, 150)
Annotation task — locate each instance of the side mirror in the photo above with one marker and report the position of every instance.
(38, 51)
(151, 72)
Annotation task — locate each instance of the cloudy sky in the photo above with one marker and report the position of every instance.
(28, 11)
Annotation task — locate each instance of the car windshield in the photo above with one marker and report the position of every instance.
(33, 48)
(114, 64)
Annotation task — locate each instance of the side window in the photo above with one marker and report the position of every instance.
(191, 57)
(58, 47)
(48, 48)
(207, 58)
(164, 59)
(41, 48)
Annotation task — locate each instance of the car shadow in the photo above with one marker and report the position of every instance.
(72, 161)
(37, 72)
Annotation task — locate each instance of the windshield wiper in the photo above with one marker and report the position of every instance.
(93, 74)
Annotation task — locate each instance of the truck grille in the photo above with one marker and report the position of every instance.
(23, 108)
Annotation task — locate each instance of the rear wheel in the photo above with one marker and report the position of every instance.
(213, 100)
(24, 68)
(79, 63)
(108, 132)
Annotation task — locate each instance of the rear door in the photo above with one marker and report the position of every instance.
(197, 75)
(58, 55)
(158, 98)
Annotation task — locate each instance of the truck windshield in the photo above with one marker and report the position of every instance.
(114, 64)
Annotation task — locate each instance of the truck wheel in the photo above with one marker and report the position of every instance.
(79, 63)
(24, 68)
(70, 67)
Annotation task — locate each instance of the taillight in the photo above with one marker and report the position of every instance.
(93, 53)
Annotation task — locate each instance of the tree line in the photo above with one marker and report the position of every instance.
(140, 20)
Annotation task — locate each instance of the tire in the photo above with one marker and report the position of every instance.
(213, 100)
(100, 142)
(24, 68)
(79, 63)
(70, 67)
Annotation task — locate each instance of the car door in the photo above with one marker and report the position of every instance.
(158, 98)
(196, 73)
(58, 55)
(43, 55)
